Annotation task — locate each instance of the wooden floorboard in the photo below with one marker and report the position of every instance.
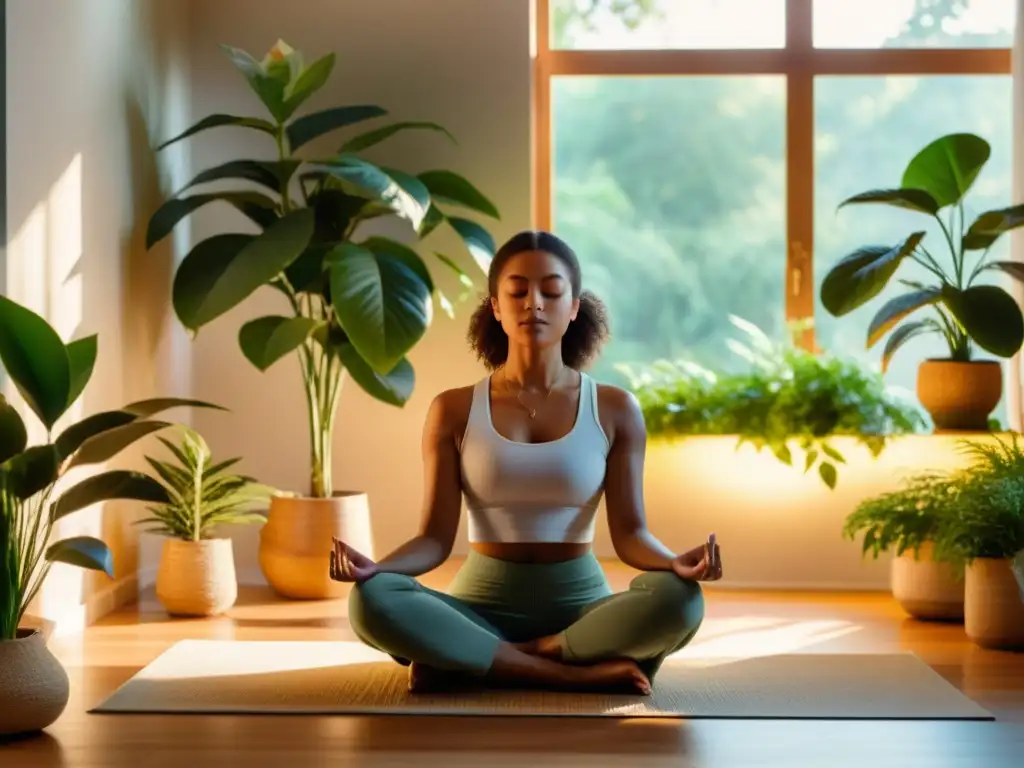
(111, 652)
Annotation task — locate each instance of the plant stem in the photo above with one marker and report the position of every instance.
(958, 266)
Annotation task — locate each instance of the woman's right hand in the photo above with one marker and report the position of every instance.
(348, 565)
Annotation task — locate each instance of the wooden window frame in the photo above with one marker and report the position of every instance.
(799, 61)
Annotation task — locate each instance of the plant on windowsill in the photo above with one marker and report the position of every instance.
(786, 395)
(34, 498)
(196, 575)
(958, 391)
(905, 522)
(356, 304)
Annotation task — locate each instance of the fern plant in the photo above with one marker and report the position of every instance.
(201, 494)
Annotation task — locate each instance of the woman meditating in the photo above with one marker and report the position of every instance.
(532, 448)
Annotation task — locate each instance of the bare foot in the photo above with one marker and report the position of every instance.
(618, 676)
(425, 679)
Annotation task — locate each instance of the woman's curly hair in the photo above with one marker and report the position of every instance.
(583, 338)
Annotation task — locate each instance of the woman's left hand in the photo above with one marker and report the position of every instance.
(703, 563)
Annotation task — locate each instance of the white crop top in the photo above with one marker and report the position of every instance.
(533, 492)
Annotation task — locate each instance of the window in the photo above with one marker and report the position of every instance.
(695, 152)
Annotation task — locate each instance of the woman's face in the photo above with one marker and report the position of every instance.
(535, 303)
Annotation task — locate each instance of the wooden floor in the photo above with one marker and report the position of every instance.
(112, 651)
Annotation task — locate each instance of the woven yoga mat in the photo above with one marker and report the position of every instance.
(211, 676)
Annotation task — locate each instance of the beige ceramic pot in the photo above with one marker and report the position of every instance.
(197, 578)
(959, 396)
(993, 609)
(34, 687)
(927, 589)
(295, 542)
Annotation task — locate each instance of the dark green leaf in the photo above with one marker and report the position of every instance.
(82, 552)
(224, 270)
(255, 205)
(36, 360)
(107, 444)
(394, 387)
(862, 275)
(989, 315)
(987, 228)
(901, 336)
(376, 136)
(1014, 269)
(306, 273)
(898, 308)
(477, 239)
(81, 360)
(413, 187)
(32, 470)
(449, 187)
(828, 473)
(382, 305)
(368, 180)
(947, 167)
(308, 127)
(271, 174)
(116, 484)
(152, 406)
(402, 252)
(431, 221)
(306, 84)
(911, 199)
(266, 340)
(72, 437)
(218, 120)
(13, 435)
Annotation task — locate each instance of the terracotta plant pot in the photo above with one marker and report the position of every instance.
(993, 609)
(960, 396)
(34, 687)
(197, 578)
(927, 589)
(295, 542)
(1018, 571)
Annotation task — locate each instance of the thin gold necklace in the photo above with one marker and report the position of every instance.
(519, 395)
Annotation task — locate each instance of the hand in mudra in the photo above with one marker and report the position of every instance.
(349, 565)
(703, 563)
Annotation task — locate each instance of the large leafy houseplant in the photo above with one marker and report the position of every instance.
(51, 376)
(964, 311)
(784, 394)
(357, 303)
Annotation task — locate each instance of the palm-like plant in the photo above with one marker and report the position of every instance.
(201, 494)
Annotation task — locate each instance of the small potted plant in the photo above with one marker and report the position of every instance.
(959, 391)
(50, 376)
(357, 303)
(196, 575)
(905, 522)
(983, 536)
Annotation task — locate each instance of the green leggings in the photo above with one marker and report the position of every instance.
(492, 600)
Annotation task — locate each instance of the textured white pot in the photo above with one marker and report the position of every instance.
(34, 687)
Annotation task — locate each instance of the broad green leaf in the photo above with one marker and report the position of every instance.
(306, 273)
(81, 361)
(394, 387)
(73, 436)
(273, 174)
(36, 360)
(82, 552)
(304, 129)
(415, 188)
(376, 136)
(911, 199)
(989, 316)
(224, 270)
(367, 179)
(449, 187)
(259, 208)
(106, 445)
(311, 80)
(828, 474)
(898, 308)
(116, 484)
(862, 275)
(988, 227)
(219, 120)
(32, 470)
(266, 340)
(382, 305)
(947, 167)
(477, 239)
(155, 405)
(13, 435)
(402, 252)
(1014, 269)
(901, 336)
(433, 219)
(267, 85)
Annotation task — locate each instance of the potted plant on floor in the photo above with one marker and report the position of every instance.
(982, 537)
(905, 522)
(356, 304)
(959, 391)
(196, 575)
(50, 376)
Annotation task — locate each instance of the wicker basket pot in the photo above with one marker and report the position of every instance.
(197, 578)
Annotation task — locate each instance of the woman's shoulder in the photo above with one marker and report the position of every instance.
(449, 410)
(616, 400)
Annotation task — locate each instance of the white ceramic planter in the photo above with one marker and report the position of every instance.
(34, 687)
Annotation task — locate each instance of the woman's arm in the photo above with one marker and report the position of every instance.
(442, 495)
(624, 496)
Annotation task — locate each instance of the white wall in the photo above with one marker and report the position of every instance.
(462, 63)
(88, 83)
